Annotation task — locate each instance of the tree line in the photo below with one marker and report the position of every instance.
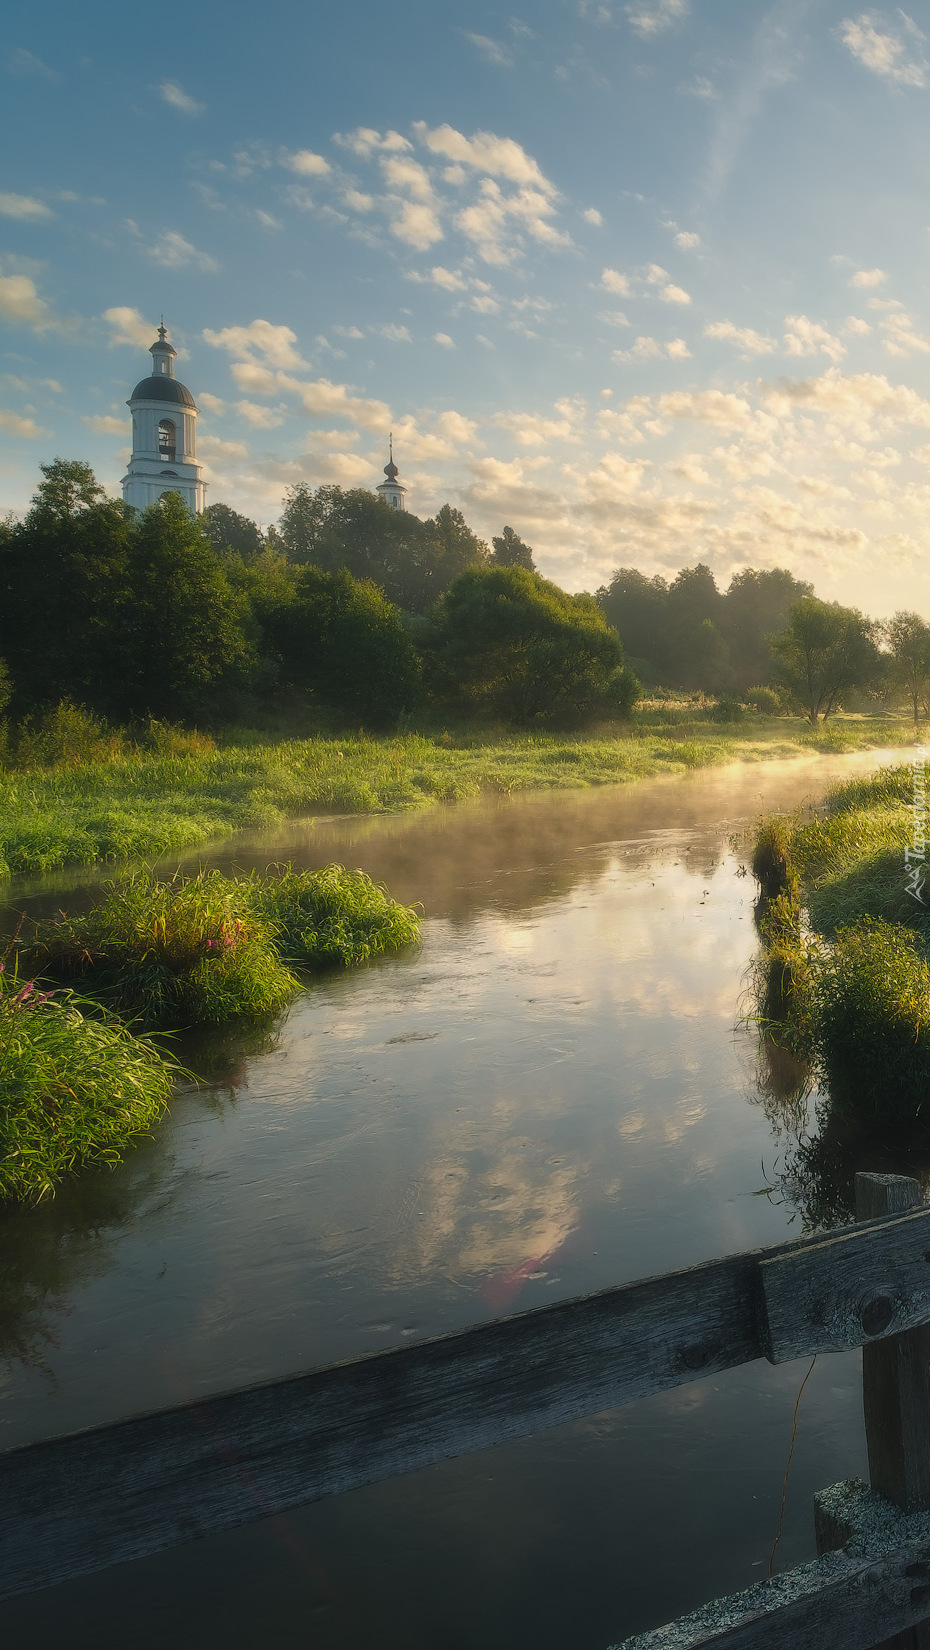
(347, 605)
(369, 613)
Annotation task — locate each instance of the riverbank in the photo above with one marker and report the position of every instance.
(150, 804)
(845, 975)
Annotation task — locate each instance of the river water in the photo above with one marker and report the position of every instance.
(551, 1095)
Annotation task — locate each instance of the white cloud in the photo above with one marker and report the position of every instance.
(393, 333)
(15, 425)
(418, 225)
(443, 339)
(494, 156)
(655, 273)
(747, 340)
(806, 337)
(212, 403)
(858, 400)
(687, 240)
(721, 408)
(274, 344)
(535, 430)
(365, 141)
(20, 301)
(402, 172)
(212, 447)
(105, 424)
(26, 63)
(261, 418)
(172, 251)
(129, 327)
(306, 163)
(884, 52)
(359, 201)
(868, 277)
(23, 207)
(647, 349)
(172, 93)
(447, 278)
(613, 281)
(672, 294)
(651, 17)
(900, 338)
(856, 326)
(593, 216)
(323, 399)
(492, 50)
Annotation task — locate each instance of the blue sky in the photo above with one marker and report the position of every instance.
(645, 280)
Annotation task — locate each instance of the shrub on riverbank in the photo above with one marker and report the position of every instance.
(204, 949)
(73, 1091)
(854, 995)
(332, 916)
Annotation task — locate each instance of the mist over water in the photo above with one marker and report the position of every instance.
(551, 1095)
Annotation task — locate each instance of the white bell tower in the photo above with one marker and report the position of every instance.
(392, 491)
(164, 443)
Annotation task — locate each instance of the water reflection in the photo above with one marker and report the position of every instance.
(548, 1098)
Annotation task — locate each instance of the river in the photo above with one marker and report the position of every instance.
(551, 1095)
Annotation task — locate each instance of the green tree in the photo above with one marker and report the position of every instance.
(637, 608)
(824, 654)
(699, 656)
(188, 645)
(232, 534)
(65, 592)
(755, 606)
(510, 551)
(511, 644)
(908, 637)
(341, 639)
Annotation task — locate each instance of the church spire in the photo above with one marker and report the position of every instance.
(392, 490)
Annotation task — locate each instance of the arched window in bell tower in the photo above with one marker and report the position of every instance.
(167, 440)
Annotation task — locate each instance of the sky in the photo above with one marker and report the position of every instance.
(643, 279)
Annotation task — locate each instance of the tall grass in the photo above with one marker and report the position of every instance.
(73, 1091)
(854, 995)
(170, 790)
(208, 948)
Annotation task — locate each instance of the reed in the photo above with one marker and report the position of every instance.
(74, 1091)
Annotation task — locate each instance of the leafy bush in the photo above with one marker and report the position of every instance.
(67, 737)
(511, 644)
(204, 949)
(332, 916)
(168, 953)
(727, 709)
(73, 1091)
(765, 700)
(771, 862)
(872, 1002)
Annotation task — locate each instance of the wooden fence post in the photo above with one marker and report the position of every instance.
(895, 1394)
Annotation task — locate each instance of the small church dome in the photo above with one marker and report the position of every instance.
(162, 388)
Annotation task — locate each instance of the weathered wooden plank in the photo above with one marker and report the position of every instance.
(72, 1505)
(896, 1393)
(866, 1282)
(850, 1600)
(76, 1504)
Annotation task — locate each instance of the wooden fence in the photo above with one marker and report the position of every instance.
(72, 1505)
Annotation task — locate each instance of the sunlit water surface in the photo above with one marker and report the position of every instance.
(552, 1095)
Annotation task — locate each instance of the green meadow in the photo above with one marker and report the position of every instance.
(121, 802)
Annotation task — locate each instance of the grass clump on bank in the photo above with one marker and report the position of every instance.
(331, 917)
(170, 791)
(852, 995)
(205, 949)
(73, 1091)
